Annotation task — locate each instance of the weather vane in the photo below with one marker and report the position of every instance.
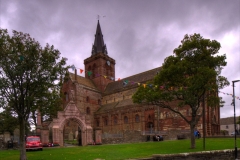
(98, 17)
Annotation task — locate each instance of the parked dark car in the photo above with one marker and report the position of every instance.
(33, 143)
(233, 133)
(157, 138)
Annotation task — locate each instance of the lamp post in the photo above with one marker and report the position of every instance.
(235, 119)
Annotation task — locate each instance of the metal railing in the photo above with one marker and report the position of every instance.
(154, 132)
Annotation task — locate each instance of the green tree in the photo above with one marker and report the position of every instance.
(28, 72)
(187, 78)
(48, 105)
(8, 121)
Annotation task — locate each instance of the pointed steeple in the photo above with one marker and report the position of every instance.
(99, 46)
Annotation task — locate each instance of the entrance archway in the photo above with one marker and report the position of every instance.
(72, 113)
(70, 130)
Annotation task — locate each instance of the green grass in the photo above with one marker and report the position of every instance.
(75, 142)
(121, 151)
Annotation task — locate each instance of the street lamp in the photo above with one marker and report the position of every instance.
(235, 119)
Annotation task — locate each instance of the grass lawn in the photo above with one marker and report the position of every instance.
(121, 151)
(75, 142)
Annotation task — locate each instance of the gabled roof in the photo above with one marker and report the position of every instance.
(118, 86)
(132, 81)
(99, 46)
(84, 81)
(227, 121)
(115, 106)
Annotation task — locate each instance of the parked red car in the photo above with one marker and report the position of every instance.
(33, 143)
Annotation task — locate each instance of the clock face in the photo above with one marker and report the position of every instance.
(108, 63)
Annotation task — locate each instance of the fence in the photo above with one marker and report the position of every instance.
(154, 132)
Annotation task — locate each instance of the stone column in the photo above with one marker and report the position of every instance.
(60, 135)
(84, 137)
(45, 136)
(142, 120)
(120, 121)
(56, 136)
(39, 123)
(98, 136)
(89, 135)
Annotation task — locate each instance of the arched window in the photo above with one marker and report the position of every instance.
(87, 99)
(115, 120)
(94, 74)
(97, 123)
(99, 101)
(149, 117)
(125, 119)
(88, 110)
(167, 115)
(104, 71)
(89, 68)
(89, 72)
(66, 96)
(106, 121)
(137, 119)
(109, 70)
(189, 112)
(150, 125)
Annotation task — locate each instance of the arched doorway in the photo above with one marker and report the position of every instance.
(150, 127)
(71, 132)
(71, 113)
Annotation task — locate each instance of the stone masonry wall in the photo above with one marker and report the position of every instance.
(127, 137)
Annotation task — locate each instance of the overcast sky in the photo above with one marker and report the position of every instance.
(139, 34)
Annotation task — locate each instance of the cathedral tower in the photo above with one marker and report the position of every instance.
(99, 66)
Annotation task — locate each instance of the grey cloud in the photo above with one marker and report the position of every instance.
(139, 34)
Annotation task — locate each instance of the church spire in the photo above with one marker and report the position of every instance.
(99, 46)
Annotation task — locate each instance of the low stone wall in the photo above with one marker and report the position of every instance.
(126, 137)
(137, 136)
(205, 155)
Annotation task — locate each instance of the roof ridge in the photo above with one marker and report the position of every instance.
(93, 85)
(77, 75)
(142, 72)
(137, 78)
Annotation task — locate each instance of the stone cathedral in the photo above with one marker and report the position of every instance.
(98, 108)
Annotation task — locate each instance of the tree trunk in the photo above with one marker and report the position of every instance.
(23, 155)
(193, 144)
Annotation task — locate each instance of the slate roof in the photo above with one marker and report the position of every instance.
(227, 121)
(117, 86)
(84, 81)
(115, 105)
